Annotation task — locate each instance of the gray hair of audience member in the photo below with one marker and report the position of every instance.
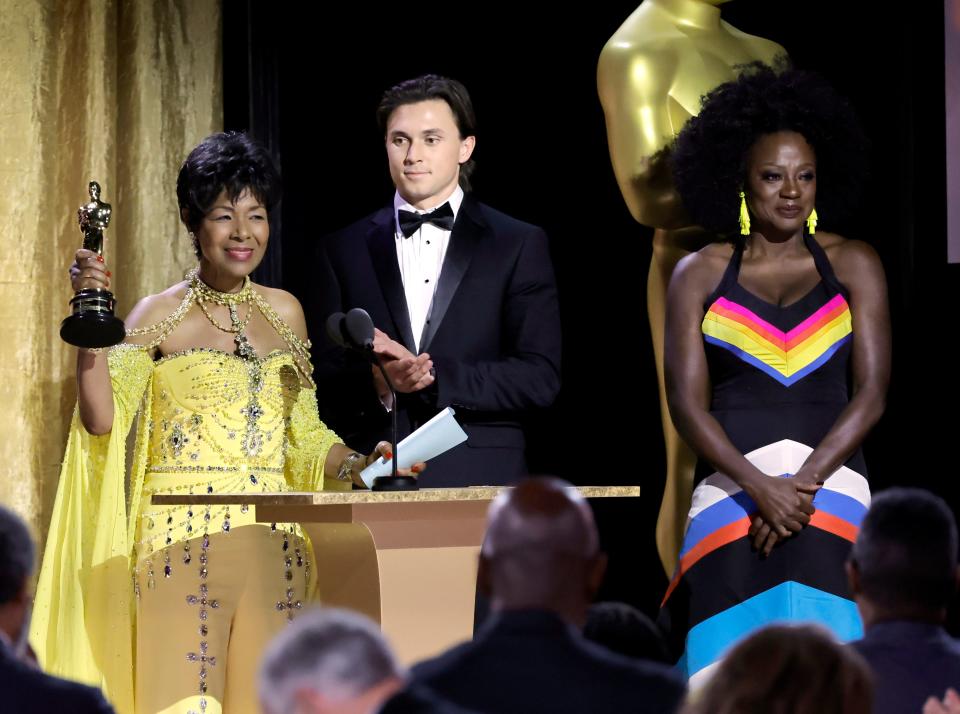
(16, 555)
(795, 669)
(337, 653)
(906, 552)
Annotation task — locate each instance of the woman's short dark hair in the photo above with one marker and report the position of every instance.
(423, 89)
(783, 668)
(710, 153)
(230, 161)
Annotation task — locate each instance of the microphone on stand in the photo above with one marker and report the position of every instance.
(354, 330)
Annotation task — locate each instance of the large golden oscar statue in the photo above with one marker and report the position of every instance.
(651, 76)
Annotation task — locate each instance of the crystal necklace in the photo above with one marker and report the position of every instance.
(204, 293)
(198, 292)
(252, 441)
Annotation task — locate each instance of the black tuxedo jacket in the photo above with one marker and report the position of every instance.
(493, 334)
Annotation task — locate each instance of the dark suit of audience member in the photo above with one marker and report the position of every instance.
(540, 566)
(903, 575)
(418, 700)
(532, 661)
(24, 689)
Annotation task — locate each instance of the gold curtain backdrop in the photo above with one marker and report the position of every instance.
(113, 91)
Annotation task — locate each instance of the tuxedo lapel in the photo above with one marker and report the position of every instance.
(464, 240)
(381, 241)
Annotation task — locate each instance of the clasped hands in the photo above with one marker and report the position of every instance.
(407, 371)
(784, 506)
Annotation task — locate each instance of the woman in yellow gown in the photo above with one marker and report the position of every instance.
(169, 608)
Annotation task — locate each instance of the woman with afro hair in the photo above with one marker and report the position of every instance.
(777, 355)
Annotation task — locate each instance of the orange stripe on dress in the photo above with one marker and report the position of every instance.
(740, 528)
(834, 524)
(720, 537)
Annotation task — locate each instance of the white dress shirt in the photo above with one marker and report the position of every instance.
(420, 258)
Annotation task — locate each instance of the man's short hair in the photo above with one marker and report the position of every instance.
(424, 89)
(906, 552)
(16, 555)
(337, 653)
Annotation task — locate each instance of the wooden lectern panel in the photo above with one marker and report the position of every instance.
(406, 559)
(412, 567)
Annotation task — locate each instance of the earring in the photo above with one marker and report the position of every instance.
(744, 215)
(812, 222)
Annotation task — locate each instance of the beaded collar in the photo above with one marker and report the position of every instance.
(199, 292)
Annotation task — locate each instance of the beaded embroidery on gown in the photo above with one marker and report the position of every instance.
(206, 422)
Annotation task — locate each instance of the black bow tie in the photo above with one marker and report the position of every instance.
(410, 222)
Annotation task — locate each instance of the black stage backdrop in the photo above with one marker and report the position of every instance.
(306, 79)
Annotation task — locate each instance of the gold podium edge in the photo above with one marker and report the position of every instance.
(319, 498)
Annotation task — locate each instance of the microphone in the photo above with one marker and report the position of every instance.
(358, 327)
(334, 331)
(354, 330)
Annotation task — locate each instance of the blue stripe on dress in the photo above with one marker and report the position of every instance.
(770, 371)
(732, 508)
(789, 602)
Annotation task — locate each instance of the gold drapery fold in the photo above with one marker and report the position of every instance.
(116, 91)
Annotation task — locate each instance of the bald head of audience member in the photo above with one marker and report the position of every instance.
(542, 551)
(328, 661)
(903, 565)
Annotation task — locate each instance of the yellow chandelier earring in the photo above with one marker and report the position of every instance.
(744, 215)
(812, 222)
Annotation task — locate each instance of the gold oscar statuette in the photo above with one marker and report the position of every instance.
(93, 323)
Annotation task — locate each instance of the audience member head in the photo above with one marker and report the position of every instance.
(328, 661)
(16, 565)
(786, 669)
(903, 565)
(623, 629)
(542, 550)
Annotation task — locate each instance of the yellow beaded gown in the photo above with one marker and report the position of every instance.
(168, 608)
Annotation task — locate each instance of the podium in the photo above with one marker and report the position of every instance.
(406, 559)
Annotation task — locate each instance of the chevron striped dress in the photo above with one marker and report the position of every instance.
(780, 380)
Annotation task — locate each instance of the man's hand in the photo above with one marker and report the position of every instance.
(407, 371)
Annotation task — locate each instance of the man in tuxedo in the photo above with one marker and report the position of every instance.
(463, 296)
(540, 566)
(23, 687)
(903, 575)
